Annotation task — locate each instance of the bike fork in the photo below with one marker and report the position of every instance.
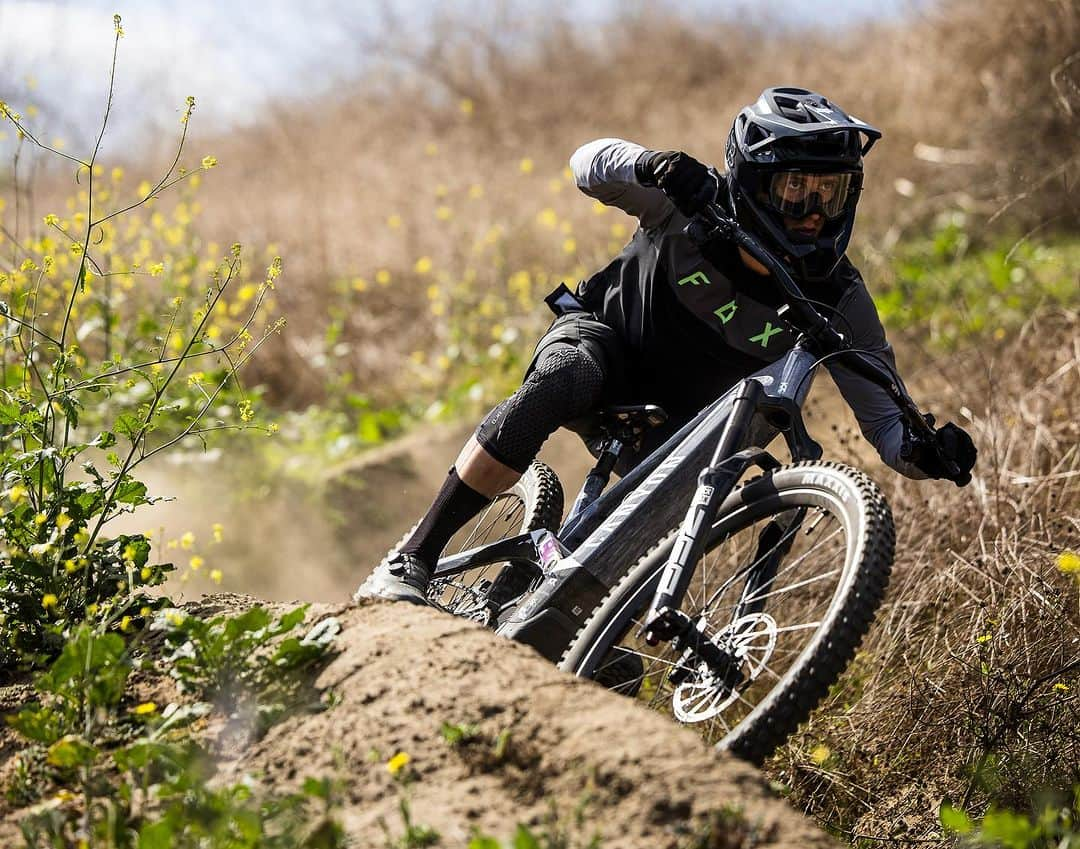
(665, 621)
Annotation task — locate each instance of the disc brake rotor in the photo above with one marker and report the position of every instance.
(749, 641)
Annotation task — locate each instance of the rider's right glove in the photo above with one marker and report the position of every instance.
(952, 443)
(688, 183)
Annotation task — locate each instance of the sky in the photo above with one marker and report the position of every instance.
(236, 56)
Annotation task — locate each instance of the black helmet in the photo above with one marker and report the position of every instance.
(793, 153)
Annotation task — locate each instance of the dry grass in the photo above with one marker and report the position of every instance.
(968, 687)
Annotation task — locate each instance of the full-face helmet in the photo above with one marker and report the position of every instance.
(791, 154)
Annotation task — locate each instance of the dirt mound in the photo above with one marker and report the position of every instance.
(545, 749)
(537, 747)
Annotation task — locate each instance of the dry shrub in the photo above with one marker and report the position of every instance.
(968, 686)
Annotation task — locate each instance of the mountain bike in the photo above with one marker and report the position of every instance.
(732, 604)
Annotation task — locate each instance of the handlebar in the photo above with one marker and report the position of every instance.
(713, 224)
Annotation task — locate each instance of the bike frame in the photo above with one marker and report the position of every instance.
(593, 550)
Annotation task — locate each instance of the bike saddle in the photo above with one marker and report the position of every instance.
(626, 424)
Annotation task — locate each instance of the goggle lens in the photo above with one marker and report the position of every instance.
(798, 194)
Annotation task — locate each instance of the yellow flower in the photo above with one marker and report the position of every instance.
(430, 149)
(51, 219)
(569, 246)
(117, 174)
(17, 493)
(71, 566)
(598, 208)
(466, 106)
(49, 600)
(187, 540)
(820, 754)
(398, 762)
(28, 265)
(382, 277)
(476, 191)
(526, 165)
(196, 563)
(157, 269)
(125, 623)
(444, 213)
(63, 520)
(40, 519)
(145, 709)
(359, 284)
(394, 221)
(209, 162)
(423, 265)
(218, 530)
(145, 573)
(216, 576)
(433, 292)
(1069, 563)
(548, 217)
(1061, 687)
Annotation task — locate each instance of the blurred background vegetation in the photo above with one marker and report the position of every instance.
(423, 207)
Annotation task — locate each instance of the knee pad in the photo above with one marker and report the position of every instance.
(566, 383)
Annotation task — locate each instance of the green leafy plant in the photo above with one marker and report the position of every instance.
(252, 660)
(1052, 824)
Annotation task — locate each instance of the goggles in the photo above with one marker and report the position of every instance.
(798, 193)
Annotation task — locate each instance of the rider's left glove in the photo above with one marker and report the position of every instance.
(688, 183)
(951, 442)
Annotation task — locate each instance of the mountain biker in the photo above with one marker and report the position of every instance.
(665, 323)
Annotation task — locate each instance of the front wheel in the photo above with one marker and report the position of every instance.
(794, 569)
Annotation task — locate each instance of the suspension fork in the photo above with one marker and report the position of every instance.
(664, 620)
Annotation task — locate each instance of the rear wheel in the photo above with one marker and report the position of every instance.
(795, 567)
(535, 501)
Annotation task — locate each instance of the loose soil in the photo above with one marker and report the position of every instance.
(551, 750)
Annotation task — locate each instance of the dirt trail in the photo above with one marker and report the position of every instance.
(639, 779)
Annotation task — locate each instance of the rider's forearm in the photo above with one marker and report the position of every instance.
(604, 169)
(879, 419)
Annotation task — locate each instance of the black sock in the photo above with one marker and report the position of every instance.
(456, 503)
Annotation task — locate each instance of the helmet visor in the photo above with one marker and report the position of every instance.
(798, 193)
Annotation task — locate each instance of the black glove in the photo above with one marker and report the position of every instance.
(688, 183)
(951, 442)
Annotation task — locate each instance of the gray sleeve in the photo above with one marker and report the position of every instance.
(879, 418)
(604, 169)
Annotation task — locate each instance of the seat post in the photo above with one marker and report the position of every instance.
(597, 479)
